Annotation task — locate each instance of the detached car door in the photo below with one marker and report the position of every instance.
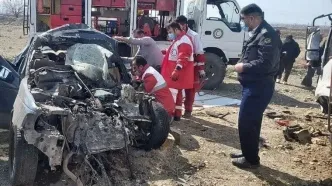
(9, 84)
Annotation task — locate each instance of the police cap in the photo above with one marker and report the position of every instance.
(251, 9)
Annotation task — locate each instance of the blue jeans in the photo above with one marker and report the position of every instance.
(255, 98)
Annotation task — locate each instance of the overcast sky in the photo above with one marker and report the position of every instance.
(292, 11)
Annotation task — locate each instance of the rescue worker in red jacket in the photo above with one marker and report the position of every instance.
(154, 83)
(199, 64)
(178, 65)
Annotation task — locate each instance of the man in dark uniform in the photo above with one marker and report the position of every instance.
(256, 71)
(280, 46)
(289, 52)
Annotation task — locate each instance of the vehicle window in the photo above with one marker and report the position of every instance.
(226, 12)
(231, 12)
(212, 12)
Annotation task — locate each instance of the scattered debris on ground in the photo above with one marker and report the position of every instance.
(216, 115)
(297, 133)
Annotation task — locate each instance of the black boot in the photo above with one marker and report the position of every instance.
(177, 118)
(187, 114)
(236, 155)
(242, 163)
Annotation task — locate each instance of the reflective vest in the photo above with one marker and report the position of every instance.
(161, 83)
(160, 90)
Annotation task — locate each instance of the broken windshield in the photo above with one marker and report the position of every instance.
(85, 47)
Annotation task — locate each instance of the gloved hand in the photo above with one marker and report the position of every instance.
(202, 74)
(175, 75)
(163, 52)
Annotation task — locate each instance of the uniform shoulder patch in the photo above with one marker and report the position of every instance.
(263, 31)
(267, 40)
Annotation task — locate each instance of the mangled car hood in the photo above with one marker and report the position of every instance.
(69, 80)
(69, 35)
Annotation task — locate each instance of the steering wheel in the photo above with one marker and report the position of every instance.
(214, 18)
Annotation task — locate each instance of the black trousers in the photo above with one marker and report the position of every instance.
(311, 71)
(255, 98)
(285, 66)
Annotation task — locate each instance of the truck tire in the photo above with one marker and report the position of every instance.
(160, 127)
(215, 70)
(23, 159)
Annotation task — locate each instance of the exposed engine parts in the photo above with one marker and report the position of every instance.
(72, 113)
(81, 114)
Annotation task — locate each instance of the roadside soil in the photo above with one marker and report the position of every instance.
(202, 156)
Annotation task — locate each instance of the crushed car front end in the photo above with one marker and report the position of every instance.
(69, 105)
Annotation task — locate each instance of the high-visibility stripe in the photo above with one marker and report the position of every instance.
(199, 64)
(156, 88)
(174, 93)
(161, 83)
(178, 107)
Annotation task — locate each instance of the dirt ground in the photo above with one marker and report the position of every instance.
(202, 156)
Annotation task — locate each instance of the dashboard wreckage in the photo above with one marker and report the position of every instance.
(72, 110)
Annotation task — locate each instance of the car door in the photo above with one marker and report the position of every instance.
(9, 84)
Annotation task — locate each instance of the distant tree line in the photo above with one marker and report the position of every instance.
(13, 7)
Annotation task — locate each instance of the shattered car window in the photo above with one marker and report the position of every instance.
(77, 40)
(89, 60)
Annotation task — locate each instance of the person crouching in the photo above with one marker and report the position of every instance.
(154, 83)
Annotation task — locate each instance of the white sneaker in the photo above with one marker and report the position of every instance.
(278, 80)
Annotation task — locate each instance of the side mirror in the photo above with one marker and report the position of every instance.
(313, 38)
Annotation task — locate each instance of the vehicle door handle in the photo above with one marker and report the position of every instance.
(208, 32)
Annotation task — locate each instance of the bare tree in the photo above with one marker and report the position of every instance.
(14, 7)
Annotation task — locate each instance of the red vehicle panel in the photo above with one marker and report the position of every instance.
(102, 3)
(59, 20)
(71, 2)
(70, 10)
(165, 5)
(147, 1)
(118, 3)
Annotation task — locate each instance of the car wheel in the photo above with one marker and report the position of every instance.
(215, 70)
(23, 159)
(160, 127)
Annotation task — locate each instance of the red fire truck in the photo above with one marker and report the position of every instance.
(113, 17)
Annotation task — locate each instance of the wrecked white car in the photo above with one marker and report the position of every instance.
(71, 109)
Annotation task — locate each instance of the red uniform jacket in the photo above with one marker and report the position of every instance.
(180, 53)
(155, 84)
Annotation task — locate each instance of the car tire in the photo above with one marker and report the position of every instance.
(160, 127)
(215, 69)
(23, 159)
